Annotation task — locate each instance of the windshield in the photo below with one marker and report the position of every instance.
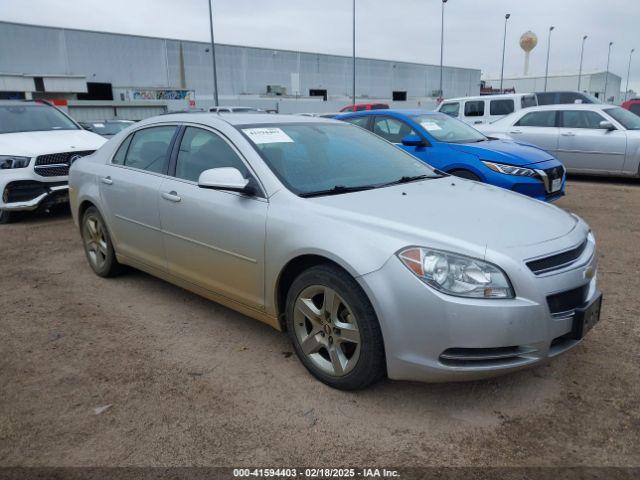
(446, 129)
(109, 128)
(310, 158)
(32, 118)
(629, 120)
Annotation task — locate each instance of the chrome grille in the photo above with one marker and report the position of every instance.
(57, 164)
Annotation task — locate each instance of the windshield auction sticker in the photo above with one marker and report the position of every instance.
(430, 126)
(267, 135)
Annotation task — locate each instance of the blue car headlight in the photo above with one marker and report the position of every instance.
(456, 274)
(11, 161)
(510, 169)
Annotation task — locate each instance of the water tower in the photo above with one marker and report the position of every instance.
(528, 42)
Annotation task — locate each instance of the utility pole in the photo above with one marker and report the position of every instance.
(626, 90)
(606, 74)
(504, 45)
(354, 53)
(213, 56)
(441, 93)
(581, 57)
(546, 71)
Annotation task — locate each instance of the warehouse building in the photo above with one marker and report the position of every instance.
(592, 83)
(46, 62)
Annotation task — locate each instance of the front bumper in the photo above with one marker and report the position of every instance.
(26, 195)
(433, 337)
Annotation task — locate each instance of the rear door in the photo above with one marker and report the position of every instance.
(213, 238)
(537, 128)
(585, 147)
(129, 192)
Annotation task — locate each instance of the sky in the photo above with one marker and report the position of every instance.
(406, 30)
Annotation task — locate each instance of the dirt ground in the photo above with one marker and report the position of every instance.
(190, 382)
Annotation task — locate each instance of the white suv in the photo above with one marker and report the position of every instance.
(38, 143)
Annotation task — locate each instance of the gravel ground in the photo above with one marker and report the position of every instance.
(188, 382)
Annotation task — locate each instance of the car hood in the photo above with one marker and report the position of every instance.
(451, 211)
(504, 151)
(32, 144)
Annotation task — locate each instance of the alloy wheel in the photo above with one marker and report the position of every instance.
(327, 330)
(95, 241)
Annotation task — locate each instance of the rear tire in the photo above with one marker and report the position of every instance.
(98, 246)
(466, 174)
(334, 329)
(6, 217)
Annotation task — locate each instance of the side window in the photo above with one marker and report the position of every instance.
(474, 108)
(546, 98)
(391, 129)
(149, 149)
(501, 107)
(570, 97)
(528, 101)
(545, 118)
(201, 150)
(581, 119)
(451, 109)
(118, 158)
(359, 108)
(635, 108)
(359, 121)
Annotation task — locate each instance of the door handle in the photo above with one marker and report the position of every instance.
(568, 134)
(516, 131)
(106, 180)
(172, 196)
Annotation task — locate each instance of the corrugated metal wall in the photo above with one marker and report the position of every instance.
(128, 61)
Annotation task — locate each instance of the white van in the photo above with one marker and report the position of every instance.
(486, 108)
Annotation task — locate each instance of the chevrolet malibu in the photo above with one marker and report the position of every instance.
(373, 263)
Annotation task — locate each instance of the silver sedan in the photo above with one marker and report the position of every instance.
(594, 139)
(372, 262)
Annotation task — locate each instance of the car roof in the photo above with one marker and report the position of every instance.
(396, 111)
(502, 96)
(572, 106)
(239, 118)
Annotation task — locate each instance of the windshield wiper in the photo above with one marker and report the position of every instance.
(337, 190)
(408, 179)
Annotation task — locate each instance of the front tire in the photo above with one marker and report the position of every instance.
(97, 244)
(334, 329)
(6, 217)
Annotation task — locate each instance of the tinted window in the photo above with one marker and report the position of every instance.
(570, 97)
(379, 106)
(629, 120)
(528, 101)
(581, 119)
(474, 109)
(635, 108)
(359, 121)
(447, 129)
(359, 108)
(538, 119)
(451, 109)
(546, 98)
(32, 118)
(315, 157)
(501, 107)
(391, 129)
(118, 158)
(201, 150)
(149, 149)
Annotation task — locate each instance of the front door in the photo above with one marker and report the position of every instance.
(214, 239)
(537, 128)
(585, 147)
(129, 190)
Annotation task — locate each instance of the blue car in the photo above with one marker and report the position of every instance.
(456, 148)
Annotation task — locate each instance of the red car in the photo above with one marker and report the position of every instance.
(357, 107)
(632, 105)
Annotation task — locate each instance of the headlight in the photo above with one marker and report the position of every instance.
(510, 169)
(9, 161)
(457, 275)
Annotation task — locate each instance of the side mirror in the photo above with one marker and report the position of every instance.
(412, 141)
(226, 178)
(607, 125)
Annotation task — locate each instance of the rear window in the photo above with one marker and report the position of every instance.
(32, 118)
(501, 107)
(528, 101)
(474, 108)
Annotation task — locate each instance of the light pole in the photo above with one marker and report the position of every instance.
(546, 71)
(504, 44)
(606, 74)
(353, 29)
(441, 93)
(213, 56)
(581, 57)
(626, 90)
